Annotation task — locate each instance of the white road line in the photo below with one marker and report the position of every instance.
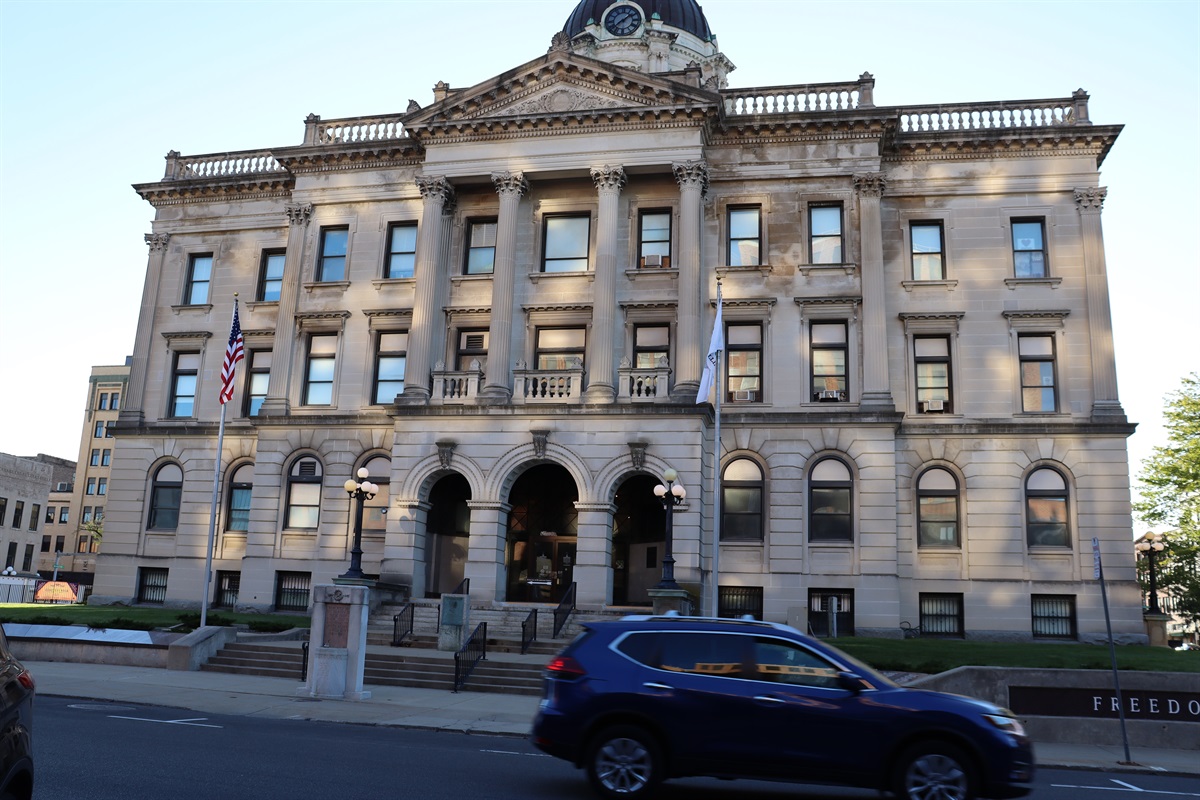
(1125, 787)
(195, 722)
(515, 753)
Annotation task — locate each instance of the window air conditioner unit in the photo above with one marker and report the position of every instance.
(827, 395)
(652, 261)
(933, 406)
(745, 396)
(62, 487)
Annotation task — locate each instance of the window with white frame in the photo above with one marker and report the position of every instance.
(304, 494)
(828, 355)
(1046, 509)
(931, 357)
(391, 355)
(319, 369)
(1036, 352)
(744, 362)
(184, 377)
(937, 509)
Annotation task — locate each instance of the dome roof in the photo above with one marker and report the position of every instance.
(685, 15)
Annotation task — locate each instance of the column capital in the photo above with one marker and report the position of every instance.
(691, 174)
(608, 178)
(299, 213)
(513, 183)
(870, 184)
(436, 188)
(1091, 199)
(157, 241)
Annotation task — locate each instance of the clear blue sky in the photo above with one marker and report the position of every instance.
(93, 95)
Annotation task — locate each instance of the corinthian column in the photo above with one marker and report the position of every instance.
(438, 197)
(511, 186)
(132, 408)
(283, 349)
(1105, 403)
(689, 355)
(877, 393)
(601, 388)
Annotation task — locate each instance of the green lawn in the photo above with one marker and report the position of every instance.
(140, 617)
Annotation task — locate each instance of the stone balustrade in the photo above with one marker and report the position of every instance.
(1005, 114)
(547, 385)
(457, 388)
(798, 99)
(353, 130)
(644, 385)
(221, 165)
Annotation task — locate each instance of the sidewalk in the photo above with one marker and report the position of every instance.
(428, 709)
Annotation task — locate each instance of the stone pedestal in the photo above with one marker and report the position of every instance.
(1156, 628)
(337, 646)
(452, 625)
(671, 600)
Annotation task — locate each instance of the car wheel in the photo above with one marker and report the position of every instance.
(934, 771)
(624, 762)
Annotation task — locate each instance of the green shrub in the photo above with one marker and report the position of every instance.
(191, 619)
(122, 623)
(267, 626)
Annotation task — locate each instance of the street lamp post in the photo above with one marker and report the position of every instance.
(1150, 546)
(671, 494)
(360, 491)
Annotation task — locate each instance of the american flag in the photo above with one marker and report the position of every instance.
(233, 354)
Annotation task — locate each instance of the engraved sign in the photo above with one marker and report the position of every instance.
(337, 625)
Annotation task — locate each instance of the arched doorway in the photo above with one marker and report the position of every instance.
(448, 529)
(542, 529)
(639, 536)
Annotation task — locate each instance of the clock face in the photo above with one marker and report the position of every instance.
(622, 20)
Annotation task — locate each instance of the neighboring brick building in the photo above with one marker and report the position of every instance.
(500, 305)
(26, 486)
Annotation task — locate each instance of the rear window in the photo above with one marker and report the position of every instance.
(693, 653)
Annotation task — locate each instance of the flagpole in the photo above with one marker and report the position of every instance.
(716, 475)
(212, 518)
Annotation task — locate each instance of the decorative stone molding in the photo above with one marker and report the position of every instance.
(559, 101)
(510, 183)
(608, 179)
(539, 443)
(637, 454)
(870, 184)
(436, 188)
(446, 452)
(691, 174)
(560, 43)
(298, 213)
(1091, 198)
(157, 241)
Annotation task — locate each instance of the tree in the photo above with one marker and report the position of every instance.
(1170, 500)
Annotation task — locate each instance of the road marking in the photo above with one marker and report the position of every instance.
(1122, 786)
(194, 722)
(515, 753)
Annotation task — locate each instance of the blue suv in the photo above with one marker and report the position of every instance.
(642, 699)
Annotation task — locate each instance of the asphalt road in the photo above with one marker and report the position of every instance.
(88, 750)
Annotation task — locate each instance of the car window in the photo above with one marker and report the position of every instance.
(702, 653)
(641, 647)
(779, 661)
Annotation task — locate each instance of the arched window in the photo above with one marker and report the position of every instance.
(829, 516)
(241, 484)
(375, 509)
(937, 509)
(742, 502)
(1046, 509)
(164, 498)
(304, 494)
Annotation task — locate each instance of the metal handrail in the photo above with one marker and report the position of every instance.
(464, 587)
(565, 608)
(529, 631)
(304, 661)
(402, 624)
(473, 651)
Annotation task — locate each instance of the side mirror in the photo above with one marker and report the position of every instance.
(852, 682)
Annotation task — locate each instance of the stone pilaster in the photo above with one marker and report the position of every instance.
(876, 393)
(133, 409)
(601, 345)
(486, 566)
(497, 388)
(283, 350)
(689, 347)
(438, 196)
(593, 554)
(1090, 201)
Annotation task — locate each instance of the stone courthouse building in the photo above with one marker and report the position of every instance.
(499, 303)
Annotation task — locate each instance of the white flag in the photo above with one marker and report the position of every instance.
(710, 363)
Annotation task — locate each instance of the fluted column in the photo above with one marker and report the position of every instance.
(132, 409)
(1105, 403)
(283, 350)
(438, 197)
(689, 346)
(877, 392)
(511, 186)
(601, 346)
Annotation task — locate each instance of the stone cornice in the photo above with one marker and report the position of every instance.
(338, 158)
(1004, 143)
(208, 190)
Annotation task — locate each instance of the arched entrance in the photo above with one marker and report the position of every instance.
(542, 529)
(448, 529)
(639, 536)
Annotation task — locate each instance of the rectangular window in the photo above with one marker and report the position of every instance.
(1053, 616)
(102, 486)
(319, 370)
(932, 357)
(27, 561)
(11, 560)
(291, 591)
(95, 460)
(258, 376)
(744, 376)
(738, 601)
(199, 276)
(654, 239)
(481, 247)
(3, 508)
(941, 615)
(270, 275)
(91, 485)
(745, 236)
(49, 515)
(651, 344)
(98, 431)
(115, 401)
(109, 427)
(239, 507)
(106, 458)
(152, 585)
(99, 513)
(86, 515)
(1037, 372)
(472, 347)
(183, 385)
(18, 513)
(45, 544)
(402, 250)
(35, 514)
(830, 610)
(59, 543)
(64, 515)
(228, 585)
(559, 348)
(1029, 248)
(331, 266)
(82, 544)
(830, 380)
(566, 244)
(825, 234)
(927, 256)
(102, 403)
(390, 358)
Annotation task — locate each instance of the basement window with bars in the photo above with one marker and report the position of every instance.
(292, 590)
(1053, 616)
(942, 615)
(738, 601)
(152, 585)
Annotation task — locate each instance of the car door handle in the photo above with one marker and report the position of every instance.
(657, 686)
(766, 698)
